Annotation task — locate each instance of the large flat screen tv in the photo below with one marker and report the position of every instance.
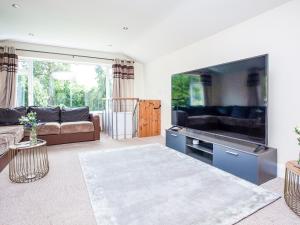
(228, 100)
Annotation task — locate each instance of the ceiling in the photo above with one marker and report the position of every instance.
(155, 27)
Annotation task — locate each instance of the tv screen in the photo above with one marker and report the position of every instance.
(228, 99)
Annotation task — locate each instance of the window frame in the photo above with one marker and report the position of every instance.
(107, 67)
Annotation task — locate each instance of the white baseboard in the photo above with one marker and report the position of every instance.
(280, 170)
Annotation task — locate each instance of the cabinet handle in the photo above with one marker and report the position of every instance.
(175, 135)
(232, 153)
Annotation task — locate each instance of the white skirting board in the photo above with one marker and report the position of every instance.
(280, 170)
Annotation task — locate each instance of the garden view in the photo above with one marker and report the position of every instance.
(50, 83)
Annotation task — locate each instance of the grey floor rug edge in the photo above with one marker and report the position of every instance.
(255, 211)
(82, 154)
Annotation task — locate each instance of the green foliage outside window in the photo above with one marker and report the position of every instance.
(180, 90)
(50, 90)
(187, 90)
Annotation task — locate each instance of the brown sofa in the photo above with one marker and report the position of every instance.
(68, 132)
(88, 129)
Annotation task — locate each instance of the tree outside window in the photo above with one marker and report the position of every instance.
(54, 83)
(187, 90)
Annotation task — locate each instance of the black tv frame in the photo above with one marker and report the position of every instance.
(258, 144)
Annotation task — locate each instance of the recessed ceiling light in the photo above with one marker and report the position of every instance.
(31, 34)
(15, 5)
(125, 28)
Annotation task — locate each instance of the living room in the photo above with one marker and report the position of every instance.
(94, 130)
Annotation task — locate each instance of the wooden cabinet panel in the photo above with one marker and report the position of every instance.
(149, 118)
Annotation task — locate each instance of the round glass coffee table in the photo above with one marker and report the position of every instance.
(28, 162)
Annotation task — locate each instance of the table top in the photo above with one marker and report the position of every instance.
(27, 145)
(293, 166)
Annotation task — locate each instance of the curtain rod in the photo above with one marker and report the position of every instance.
(56, 53)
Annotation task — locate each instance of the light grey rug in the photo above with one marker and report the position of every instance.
(154, 185)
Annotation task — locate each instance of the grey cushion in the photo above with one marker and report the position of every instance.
(46, 114)
(75, 114)
(11, 116)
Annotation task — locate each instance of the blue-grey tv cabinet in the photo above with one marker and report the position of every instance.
(234, 156)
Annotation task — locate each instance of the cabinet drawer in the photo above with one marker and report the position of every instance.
(176, 141)
(236, 162)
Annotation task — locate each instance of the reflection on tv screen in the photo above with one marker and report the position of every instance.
(228, 99)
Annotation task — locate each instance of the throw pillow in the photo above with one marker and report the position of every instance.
(11, 116)
(46, 114)
(75, 114)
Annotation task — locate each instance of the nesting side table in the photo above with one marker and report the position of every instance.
(28, 162)
(292, 186)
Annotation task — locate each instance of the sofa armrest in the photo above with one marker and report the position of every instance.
(95, 119)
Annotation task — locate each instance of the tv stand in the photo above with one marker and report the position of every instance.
(175, 128)
(255, 163)
(260, 148)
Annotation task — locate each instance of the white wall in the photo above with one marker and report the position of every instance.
(139, 90)
(138, 82)
(277, 33)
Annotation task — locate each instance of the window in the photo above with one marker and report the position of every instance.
(196, 91)
(187, 90)
(55, 83)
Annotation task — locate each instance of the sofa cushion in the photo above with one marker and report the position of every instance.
(224, 110)
(196, 110)
(257, 113)
(76, 127)
(240, 111)
(46, 114)
(46, 129)
(211, 110)
(10, 135)
(75, 114)
(5, 141)
(238, 122)
(11, 116)
(16, 130)
(202, 120)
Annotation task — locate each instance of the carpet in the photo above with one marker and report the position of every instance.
(155, 185)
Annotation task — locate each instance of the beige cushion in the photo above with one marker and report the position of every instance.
(49, 128)
(10, 135)
(11, 129)
(76, 127)
(46, 129)
(5, 141)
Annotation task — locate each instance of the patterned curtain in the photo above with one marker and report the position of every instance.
(206, 81)
(8, 76)
(252, 84)
(123, 77)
